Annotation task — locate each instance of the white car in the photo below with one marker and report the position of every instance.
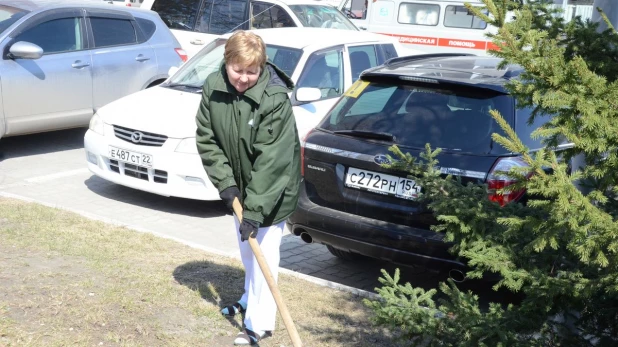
(147, 140)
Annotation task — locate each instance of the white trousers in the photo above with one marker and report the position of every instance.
(261, 307)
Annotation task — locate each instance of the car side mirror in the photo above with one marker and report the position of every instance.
(306, 94)
(25, 50)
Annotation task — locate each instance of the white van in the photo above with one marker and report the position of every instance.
(432, 26)
(197, 22)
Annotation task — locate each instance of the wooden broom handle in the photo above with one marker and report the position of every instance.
(283, 310)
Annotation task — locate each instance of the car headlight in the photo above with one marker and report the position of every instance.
(187, 145)
(97, 125)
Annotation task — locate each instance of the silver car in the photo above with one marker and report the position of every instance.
(64, 59)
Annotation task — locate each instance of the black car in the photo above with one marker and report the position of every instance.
(350, 203)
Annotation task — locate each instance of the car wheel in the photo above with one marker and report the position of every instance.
(341, 254)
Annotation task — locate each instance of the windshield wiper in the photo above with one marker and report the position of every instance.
(376, 135)
(181, 85)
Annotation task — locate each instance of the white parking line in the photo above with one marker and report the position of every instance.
(51, 177)
(45, 178)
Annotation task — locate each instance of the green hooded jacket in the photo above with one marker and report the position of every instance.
(250, 141)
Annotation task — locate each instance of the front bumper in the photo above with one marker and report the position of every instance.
(373, 238)
(172, 174)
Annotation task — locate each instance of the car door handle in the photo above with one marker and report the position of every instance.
(141, 57)
(78, 64)
(197, 42)
(362, 28)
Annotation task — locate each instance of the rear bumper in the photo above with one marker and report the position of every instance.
(374, 238)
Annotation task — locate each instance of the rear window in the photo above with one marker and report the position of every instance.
(148, 27)
(176, 14)
(454, 120)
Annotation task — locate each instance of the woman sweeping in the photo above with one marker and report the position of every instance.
(248, 142)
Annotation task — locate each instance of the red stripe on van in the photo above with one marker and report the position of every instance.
(456, 43)
(415, 40)
(444, 42)
(491, 45)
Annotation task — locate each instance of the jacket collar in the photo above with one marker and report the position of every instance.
(254, 93)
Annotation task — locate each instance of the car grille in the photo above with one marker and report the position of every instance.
(139, 172)
(139, 137)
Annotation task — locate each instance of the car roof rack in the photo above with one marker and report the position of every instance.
(409, 58)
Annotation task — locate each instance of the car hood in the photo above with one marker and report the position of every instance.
(157, 110)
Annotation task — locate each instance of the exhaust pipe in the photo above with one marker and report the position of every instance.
(457, 275)
(306, 237)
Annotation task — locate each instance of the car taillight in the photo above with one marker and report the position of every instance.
(181, 52)
(495, 181)
(302, 153)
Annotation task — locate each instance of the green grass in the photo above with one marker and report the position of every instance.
(69, 281)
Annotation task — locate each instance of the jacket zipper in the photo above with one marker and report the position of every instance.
(237, 138)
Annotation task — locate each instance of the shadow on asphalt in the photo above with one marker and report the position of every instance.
(42, 143)
(184, 207)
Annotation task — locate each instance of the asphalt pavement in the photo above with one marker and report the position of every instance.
(50, 168)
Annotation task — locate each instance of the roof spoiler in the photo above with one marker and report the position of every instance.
(409, 58)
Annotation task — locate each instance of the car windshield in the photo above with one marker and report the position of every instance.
(9, 15)
(321, 16)
(455, 120)
(208, 60)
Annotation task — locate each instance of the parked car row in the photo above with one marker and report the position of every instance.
(147, 140)
(62, 61)
(197, 22)
(110, 65)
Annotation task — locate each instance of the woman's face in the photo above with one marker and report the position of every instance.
(243, 77)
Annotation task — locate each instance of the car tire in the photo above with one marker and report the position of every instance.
(341, 254)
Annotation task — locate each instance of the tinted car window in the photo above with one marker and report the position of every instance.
(148, 27)
(361, 59)
(324, 71)
(59, 35)
(177, 14)
(112, 32)
(460, 17)
(285, 58)
(265, 15)
(10, 15)
(321, 16)
(455, 120)
(222, 16)
(524, 130)
(389, 52)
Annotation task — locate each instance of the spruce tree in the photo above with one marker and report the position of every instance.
(560, 249)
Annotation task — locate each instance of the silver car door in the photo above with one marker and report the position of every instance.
(123, 63)
(55, 90)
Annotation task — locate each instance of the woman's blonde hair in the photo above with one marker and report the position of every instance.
(246, 49)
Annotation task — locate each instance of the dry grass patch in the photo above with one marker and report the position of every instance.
(66, 280)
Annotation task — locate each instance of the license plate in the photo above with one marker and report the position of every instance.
(130, 157)
(380, 183)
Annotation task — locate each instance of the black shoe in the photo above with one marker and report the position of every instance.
(248, 337)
